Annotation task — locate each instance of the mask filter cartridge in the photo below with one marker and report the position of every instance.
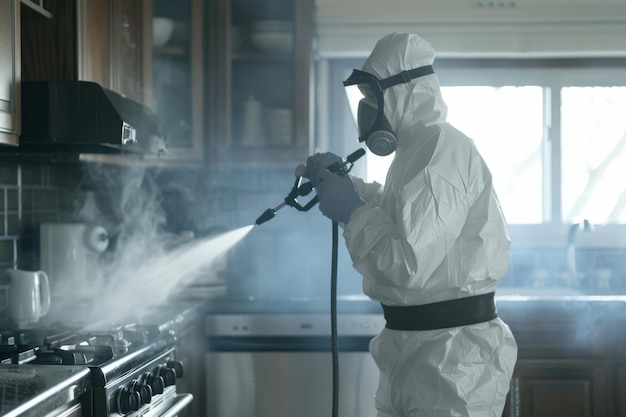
(382, 142)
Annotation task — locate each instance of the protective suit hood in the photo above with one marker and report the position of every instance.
(421, 97)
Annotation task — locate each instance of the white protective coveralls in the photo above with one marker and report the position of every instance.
(434, 232)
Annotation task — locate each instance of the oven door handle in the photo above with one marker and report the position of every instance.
(181, 401)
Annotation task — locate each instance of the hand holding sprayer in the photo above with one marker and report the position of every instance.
(300, 189)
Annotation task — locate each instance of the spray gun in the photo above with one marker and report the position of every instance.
(300, 190)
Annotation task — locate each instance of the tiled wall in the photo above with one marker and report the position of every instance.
(288, 256)
(29, 195)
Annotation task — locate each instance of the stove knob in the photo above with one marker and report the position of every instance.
(127, 401)
(144, 390)
(177, 366)
(168, 375)
(155, 382)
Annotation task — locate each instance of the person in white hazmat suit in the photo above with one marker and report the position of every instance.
(431, 245)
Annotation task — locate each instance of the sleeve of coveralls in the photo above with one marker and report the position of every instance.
(370, 192)
(430, 213)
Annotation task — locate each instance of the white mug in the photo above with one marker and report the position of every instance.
(29, 296)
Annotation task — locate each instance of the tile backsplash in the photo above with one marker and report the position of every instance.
(286, 257)
(31, 194)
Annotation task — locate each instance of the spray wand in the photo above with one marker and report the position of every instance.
(300, 190)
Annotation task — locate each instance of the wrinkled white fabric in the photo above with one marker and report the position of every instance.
(434, 232)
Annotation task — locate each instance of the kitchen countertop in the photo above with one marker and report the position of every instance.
(544, 326)
(562, 319)
(345, 304)
(361, 304)
(180, 313)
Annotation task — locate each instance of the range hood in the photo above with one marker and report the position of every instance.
(63, 116)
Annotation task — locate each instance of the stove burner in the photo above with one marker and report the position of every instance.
(78, 355)
(7, 339)
(71, 346)
(17, 354)
(120, 340)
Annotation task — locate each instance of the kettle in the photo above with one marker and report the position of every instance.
(68, 251)
(29, 296)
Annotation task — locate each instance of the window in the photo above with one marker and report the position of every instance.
(506, 123)
(593, 153)
(553, 132)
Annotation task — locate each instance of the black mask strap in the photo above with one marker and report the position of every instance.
(406, 76)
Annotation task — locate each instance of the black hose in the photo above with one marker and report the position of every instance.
(333, 320)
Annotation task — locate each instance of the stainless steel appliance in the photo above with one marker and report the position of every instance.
(41, 390)
(280, 365)
(132, 369)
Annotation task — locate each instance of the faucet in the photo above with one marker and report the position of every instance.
(584, 226)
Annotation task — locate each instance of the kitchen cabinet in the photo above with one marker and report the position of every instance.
(9, 72)
(570, 357)
(576, 388)
(259, 88)
(178, 76)
(105, 41)
(113, 40)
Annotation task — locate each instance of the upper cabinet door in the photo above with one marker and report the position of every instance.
(178, 76)
(91, 40)
(9, 71)
(130, 37)
(113, 38)
(260, 60)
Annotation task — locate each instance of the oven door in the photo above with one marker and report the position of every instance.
(179, 403)
(172, 406)
(288, 376)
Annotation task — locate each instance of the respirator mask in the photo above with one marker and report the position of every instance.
(365, 96)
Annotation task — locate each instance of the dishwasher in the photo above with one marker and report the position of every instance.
(280, 365)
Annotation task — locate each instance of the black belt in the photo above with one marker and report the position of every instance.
(443, 314)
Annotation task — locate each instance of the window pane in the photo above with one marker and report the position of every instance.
(506, 123)
(593, 153)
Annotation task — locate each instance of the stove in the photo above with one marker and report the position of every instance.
(133, 368)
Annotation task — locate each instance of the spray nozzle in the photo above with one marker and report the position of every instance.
(266, 216)
(300, 190)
